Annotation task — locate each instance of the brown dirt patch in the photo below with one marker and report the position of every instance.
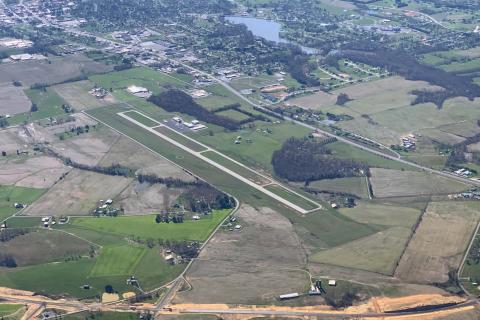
(11, 140)
(13, 100)
(255, 265)
(78, 96)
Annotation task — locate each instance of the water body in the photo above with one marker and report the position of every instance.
(267, 29)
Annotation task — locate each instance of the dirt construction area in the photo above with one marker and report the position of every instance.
(11, 140)
(78, 194)
(78, 96)
(396, 183)
(13, 100)
(439, 242)
(254, 265)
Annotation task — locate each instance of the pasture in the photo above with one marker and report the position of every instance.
(353, 185)
(292, 197)
(9, 195)
(439, 242)
(117, 260)
(42, 246)
(396, 183)
(8, 309)
(49, 104)
(145, 226)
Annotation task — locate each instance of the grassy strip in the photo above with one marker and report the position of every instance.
(181, 139)
(235, 167)
(7, 309)
(141, 118)
(292, 197)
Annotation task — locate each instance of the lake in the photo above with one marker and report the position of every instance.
(267, 29)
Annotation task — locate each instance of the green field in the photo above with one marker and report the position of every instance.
(145, 226)
(292, 197)
(9, 195)
(141, 118)
(144, 77)
(181, 139)
(353, 185)
(48, 102)
(233, 114)
(67, 278)
(117, 260)
(7, 309)
(235, 167)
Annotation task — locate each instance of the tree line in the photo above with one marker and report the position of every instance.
(307, 160)
(178, 101)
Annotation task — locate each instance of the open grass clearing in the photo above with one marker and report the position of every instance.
(9, 195)
(352, 185)
(117, 260)
(137, 116)
(189, 143)
(153, 80)
(8, 309)
(145, 226)
(49, 104)
(439, 241)
(233, 114)
(383, 214)
(292, 197)
(396, 183)
(245, 172)
(378, 252)
(42, 246)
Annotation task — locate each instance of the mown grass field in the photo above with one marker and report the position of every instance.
(117, 260)
(181, 139)
(9, 195)
(142, 77)
(67, 278)
(353, 185)
(141, 118)
(7, 309)
(145, 226)
(292, 197)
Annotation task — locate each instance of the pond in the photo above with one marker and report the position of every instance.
(267, 29)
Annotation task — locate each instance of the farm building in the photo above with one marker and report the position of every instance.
(139, 91)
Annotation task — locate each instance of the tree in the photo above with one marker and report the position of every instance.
(158, 218)
(3, 122)
(342, 98)
(34, 107)
(109, 288)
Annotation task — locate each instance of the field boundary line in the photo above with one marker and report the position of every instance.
(464, 259)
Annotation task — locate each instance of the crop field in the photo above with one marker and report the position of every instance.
(354, 185)
(142, 77)
(9, 195)
(77, 95)
(145, 226)
(380, 251)
(48, 102)
(439, 242)
(292, 197)
(11, 140)
(13, 100)
(78, 194)
(59, 70)
(396, 183)
(43, 246)
(117, 261)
